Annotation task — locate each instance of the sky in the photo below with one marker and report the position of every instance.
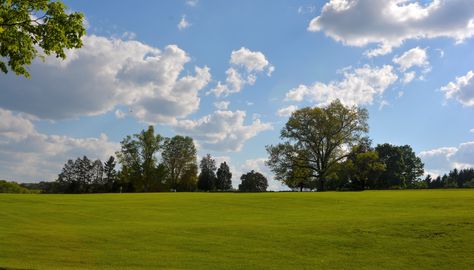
(229, 74)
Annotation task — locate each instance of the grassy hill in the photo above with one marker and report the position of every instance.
(353, 230)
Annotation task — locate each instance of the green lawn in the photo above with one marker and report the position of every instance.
(346, 230)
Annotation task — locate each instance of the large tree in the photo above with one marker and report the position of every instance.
(224, 177)
(138, 160)
(207, 177)
(253, 182)
(315, 140)
(29, 29)
(402, 166)
(179, 158)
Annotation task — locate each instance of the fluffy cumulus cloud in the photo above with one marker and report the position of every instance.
(413, 57)
(441, 160)
(462, 89)
(222, 130)
(389, 23)
(28, 155)
(358, 87)
(103, 74)
(245, 65)
(287, 111)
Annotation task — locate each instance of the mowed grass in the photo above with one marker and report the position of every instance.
(333, 230)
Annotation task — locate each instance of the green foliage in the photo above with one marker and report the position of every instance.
(139, 162)
(389, 230)
(314, 141)
(13, 187)
(179, 159)
(253, 182)
(29, 29)
(207, 178)
(224, 177)
(402, 166)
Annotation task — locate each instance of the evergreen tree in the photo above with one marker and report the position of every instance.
(207, 177)
(224, 177)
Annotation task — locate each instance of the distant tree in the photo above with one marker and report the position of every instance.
(402, 166)
(179, 158)
(364, 167)
(315, 139)
(224, 177)
(138, 160)
(253, 182)
(188, 181)
(12, 187)
(29, 29)
(110, 175)
(207, 177)
(80, 176)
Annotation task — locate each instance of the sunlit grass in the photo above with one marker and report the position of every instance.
(352, 230)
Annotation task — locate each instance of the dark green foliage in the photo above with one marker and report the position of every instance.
(454, 179)
(179, 159)
(30, 29)
(402, 167)
(253, 182)
(207, 178)
(81, 176)
(224, 177)
(139, 162)
(314, 141)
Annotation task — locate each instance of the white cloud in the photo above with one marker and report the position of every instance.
(287, 111)
(358, 87)
(28, 155)
(245, 65)
(471, 130)
(442, 160)
(192, 3)
(222, 105)
(383, 104)
(106, 73)
(119, 114)
(306, 9)
(389, 23)
(408, 77)
(183, 23)
(221, 130)
(462, 89)
(411, 58)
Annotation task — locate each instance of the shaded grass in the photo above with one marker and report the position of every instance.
(352, 230)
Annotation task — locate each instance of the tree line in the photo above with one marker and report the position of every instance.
(322, 148)
(150, 163)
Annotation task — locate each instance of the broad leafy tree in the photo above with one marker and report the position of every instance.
(139, 162)
(207, 177)
(179, 158)
(315, 140)
(32, 28)
(402, 166)
(253, 182)
(224, 177)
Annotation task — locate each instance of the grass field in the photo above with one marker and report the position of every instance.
(352, 230)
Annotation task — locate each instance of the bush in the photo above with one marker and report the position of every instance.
(12, 187)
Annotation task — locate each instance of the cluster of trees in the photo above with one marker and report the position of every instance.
(454, 179)
(150, 163)
(327, 148)
(13, 187)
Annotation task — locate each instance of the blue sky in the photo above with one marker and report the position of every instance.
(228, 73)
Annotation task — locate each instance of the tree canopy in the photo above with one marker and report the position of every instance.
(315, 140)
(253, 182)
(29, 29)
